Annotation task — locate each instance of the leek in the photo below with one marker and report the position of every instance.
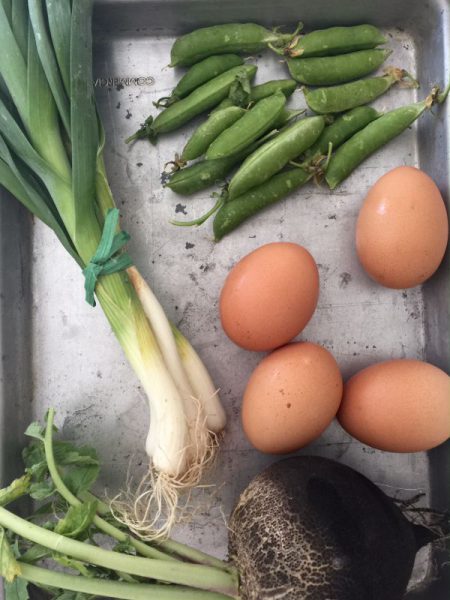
(51, 159)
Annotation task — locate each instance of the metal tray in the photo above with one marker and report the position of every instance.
(57, 351)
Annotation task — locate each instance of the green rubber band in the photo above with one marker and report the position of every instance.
(106, 259)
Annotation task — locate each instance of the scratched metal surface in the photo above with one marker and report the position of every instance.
(59, 352)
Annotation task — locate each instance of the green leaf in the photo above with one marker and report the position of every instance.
(240, 90)
(35, 553)
(17, 489)
(81, 478)
(48, 61)
(12, 64)
(17, 590)
(43, 117)
(33, 457)
(9, 567)
(58, 12)
(125, 547)
(85, 134)
(67, 595)
(7, 8)
(42, 490)
(19, 21)
(79, 466)
(35, 430)
(77, 520)
(71, 563)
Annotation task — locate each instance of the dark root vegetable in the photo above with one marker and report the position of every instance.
(309, 528)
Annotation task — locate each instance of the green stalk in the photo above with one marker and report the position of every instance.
(170, 546)
(197, 576)
(112, 589)
(100, 523)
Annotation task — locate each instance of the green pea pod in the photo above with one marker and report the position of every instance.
(226, 103)
(286, 115)
(206, 173)
(208, 131)
(338, 98)
(257, 121)
(220, 39)
(329, 70)
(335, 40)
(374, 136)
(200, 100)
(341, 130)
(199, 74)
(258, 92)
(272, 156)
(201, 175)
(234, 212)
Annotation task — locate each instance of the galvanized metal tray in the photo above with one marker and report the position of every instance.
(57, 351)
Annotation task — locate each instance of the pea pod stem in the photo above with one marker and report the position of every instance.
(145, 131)
(197, 222)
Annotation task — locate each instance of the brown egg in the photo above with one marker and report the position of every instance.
(269, 296)
(291, 398)
(398, 406)
(402, 229)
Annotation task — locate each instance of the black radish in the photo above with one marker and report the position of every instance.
(309, 528)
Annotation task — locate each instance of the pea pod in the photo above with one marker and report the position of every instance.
(375, 135)
(249, 128)
(219, 39)
(201, 175)
(341, 130)
(329, 70)
(264, 90)
(199, 74)
(286, 115)
(272, 156)
(226, 103)
(335, 40)
(258, 92)
(234, 212)
(338, 98)
(200, 100)
(208, 131)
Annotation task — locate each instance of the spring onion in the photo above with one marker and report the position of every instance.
(51, 159)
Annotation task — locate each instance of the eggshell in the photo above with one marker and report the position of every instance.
(402, 229)
(269, 296)
(291, 398)
(398, 405)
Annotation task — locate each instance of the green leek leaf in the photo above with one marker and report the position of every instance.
(43, 119)
(12, 65)
(58, 12)
(85, 135)
(17, 184)
(48, 60)
(7, 8)
(19, 21)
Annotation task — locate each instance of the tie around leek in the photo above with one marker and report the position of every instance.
(51, 160)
